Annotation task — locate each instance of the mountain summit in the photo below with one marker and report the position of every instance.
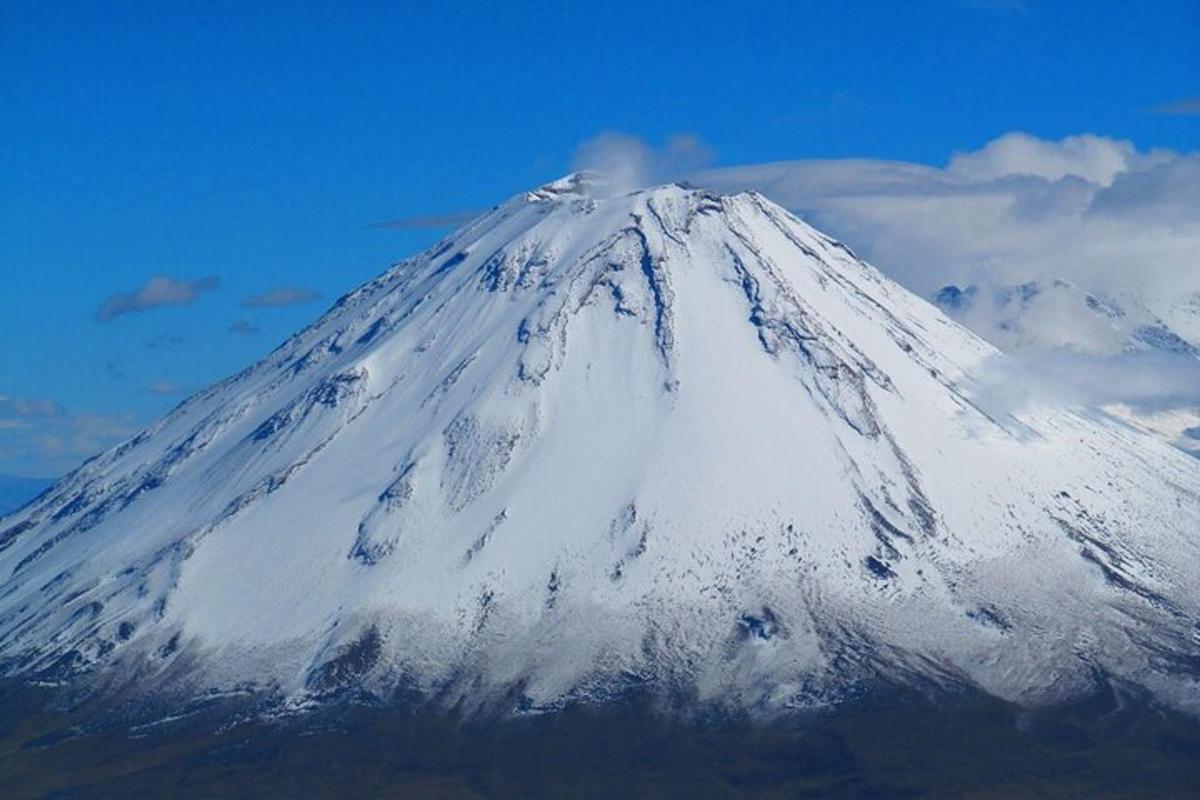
(665, 440)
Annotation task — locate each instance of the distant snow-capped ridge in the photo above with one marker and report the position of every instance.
(1092, 321)
(665, 440)
(1046, 316)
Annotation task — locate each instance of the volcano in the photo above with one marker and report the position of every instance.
(600, 441)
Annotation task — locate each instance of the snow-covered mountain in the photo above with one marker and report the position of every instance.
(665, 440)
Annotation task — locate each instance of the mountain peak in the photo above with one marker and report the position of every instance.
(665, 439)
(599, 185)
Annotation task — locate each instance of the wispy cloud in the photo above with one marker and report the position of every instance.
(243, 327)
(1180, 107)
(628, 163)
(157, 292)
(281, 296)
(452, 219)
(164, 388)
(22, 408)
(625, 162)
(40, 437)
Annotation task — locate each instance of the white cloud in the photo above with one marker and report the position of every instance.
(628, 163)
(1096, 159)
(1066, 377)
(1111, 220)
(1087, 209)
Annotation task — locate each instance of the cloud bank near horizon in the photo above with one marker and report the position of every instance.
(1107, 219)
(1090, 212)
(1087, 209)
(40, 438)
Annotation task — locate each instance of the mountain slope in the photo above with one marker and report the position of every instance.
(668, 440)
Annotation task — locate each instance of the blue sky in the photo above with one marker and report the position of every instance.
(243, 150)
